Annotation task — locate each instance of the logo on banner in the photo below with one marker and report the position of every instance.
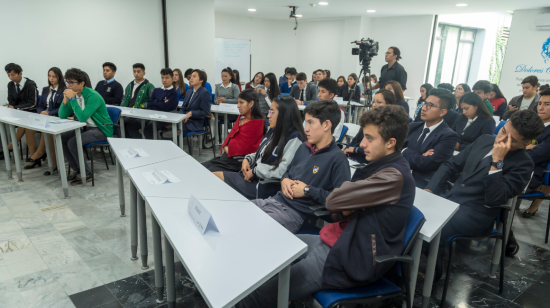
(546, 51)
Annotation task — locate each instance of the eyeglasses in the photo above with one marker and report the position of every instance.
(70, 83)
(430, 105)
(271, 112)
(378, 103)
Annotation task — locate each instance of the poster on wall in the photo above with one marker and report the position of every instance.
(235, 54)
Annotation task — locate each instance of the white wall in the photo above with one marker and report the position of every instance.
(67, 34)
(524, 51)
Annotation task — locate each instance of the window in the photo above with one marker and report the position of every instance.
(451, 55)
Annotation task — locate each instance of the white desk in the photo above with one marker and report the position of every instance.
(145, 114)
(215, 109)
(250, 248)
(7, 116)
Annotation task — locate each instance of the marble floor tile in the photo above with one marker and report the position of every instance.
(109, 268)
(124, 288)
(110, 233)
(27, 267)
(32, 220)
(10, 189)
(43, 295)
(5, 214)
(4, 273)
(87, 246)
(39, 229)
(34, 280)
(56, 256)
(19, 242)
(48, 238)
(21, 255)
(60, 215)
(10, 295)
(64, 302)
(75, 277)
(96, 297)
(70, 226)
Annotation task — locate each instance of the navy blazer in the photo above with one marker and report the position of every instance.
(481, 126)
(57, 101)
(478, 192)
(343, 93)
(541, 157)
(442, 140)
(199, 106)
(449, 118)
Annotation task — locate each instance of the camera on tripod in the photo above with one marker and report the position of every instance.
(367, 49)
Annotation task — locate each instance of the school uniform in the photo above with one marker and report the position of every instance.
(137, 94)
(111, 91)
(499, 106)
(469, 130)
(231, 93)
(540, 156)
(165, 100)
(285, 88)
(358, 154)
(265, 102)
(450, 117)
(405, 106)
(420, 139)
(50, 100)
(22, 95)
(250, 85)
(198, 103)
(345, 92)
(307, 95)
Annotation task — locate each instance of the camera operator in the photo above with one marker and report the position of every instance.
(393, 70)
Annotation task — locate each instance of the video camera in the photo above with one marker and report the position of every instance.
(367, 49)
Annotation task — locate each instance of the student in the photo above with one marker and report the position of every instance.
(268, 92)
(353, 150)
(227, 91)
(328, 88)
(49, 103)
(317, 168)
(256, 81)
(396, 89)
(313, 78)
(291, 81)
(163, 99)
(527, 101)
(393, 70)
(138, 91)
(237, 79)
(179, 84)
(490, 171)
(302, 92)
(543, 87)
(342, 255)
(320, 75)
(341, 80)
(110, 89)
(207, 85)
(482, 88)
(346, 90)
(88, 107)
(497, 100)
(271, 159)
(369, 85)
(197, 103)
(245, 135)
(327, 73)
(460, 90)
(474, 121)
(187, 74)
(431, 142)
(283, 78)
(424, 93)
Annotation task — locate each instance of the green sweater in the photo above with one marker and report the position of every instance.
(94, 107)
(489, 106)
(145, 90)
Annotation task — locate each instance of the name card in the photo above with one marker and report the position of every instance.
(158, 177)
(200, 216)
(339, 100)
(134, 153)
(228, 107)
(157, 116)
(39, 120)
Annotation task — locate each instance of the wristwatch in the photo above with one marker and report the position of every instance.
(306, 191)
(499, 164)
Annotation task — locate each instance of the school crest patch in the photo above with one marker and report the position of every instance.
(315, 169)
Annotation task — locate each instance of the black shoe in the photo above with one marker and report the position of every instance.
(1, 155)
(78, 180)
(73, 176)
(43, 157)
(512, 246)
(49, 173)
(36, 164)
(528, 215)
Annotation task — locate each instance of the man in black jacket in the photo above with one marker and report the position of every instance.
(110, 89)
(430, 143)
(21, 91)
(370, 215)
(492, 170)
(528, 100)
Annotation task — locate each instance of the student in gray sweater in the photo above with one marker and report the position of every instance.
(227, 91)
(268, 92)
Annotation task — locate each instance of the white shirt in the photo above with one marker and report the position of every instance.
(228, 86)
(21, 84)
(526, 102)
(136, 85)
(50, 95)
(470, 121)
(82, 104)
(300, 95)
(546, 124)
(431, 128)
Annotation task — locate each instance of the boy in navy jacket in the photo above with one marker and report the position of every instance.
(318, 167)
(370, 215)
(110, 89)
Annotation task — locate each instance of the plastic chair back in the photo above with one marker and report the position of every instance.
(499, 126)
(344, 130)
(114, 114)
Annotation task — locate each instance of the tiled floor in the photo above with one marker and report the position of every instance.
(75, 252)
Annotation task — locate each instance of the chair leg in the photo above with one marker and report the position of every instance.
(213, 141)
(405, 268)
(111, 155)
(88, 156)
(104, 158)
(21, 149)
(448, 274)
(502, 251)
(200, 145)
(92, 166)
(547, 227)
(190, 144)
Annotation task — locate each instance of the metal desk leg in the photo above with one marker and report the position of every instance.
(4, 138)
(430, 269)
(133, 221)
(496, 254)
(142, 129)
(181, 135)
(413, 269)
(61, 164)
(284, 286)
(15, 153)
(170, 273)
(142, 231)
(159, 273)
(155, 133)
(48, 151)
(215, 129)
(175, 133)
(225, 126)
(121, 200)
(81, 155)
(122, 131)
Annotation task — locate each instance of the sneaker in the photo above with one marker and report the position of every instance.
(78, 180)
(73, 175)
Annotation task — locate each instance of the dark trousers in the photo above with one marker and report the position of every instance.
(70, 148)
(134, 125)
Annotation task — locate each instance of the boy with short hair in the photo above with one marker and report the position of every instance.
(528, 100)
(110, 89)
(285, 87)
(328, 89)
(483, 88)
(303, 92)
(139, 90)
(21, 90)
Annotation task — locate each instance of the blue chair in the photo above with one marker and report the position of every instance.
(539, 195)
(382, 288)
(200, 134)
(114, 114)
(344, 131)
(499, 126)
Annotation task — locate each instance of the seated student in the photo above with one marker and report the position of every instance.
(543, 87)
(345, 91)
(197, 103)
(353, 150)
(245, 135)
(88, 107)
(482, 88)
(302, 92)
(268, 92)
(256, 81)
(290, 82)
(474, 121)
(313, 78)
(492, 170)
(207, 85)
(327, 73)
(237, 78)
(367, 84)
(138, 91)
(341, 80)
(424, 93)
(319, 75)
(283, 78)
(396, 89)
(497, 100)
(110, 89)
(342, 255)
(317, 168)
(164, 99)
(328, 88)
(271, 159)
(460, 90)
(227, 91)
(527, 101)
(179, 84)
(49, 103)
(431, 142)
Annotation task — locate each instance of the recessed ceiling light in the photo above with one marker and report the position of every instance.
(462, 4)
(371, 11)
(323, 3)
(298, 15)
(252, 10)
(511, 12)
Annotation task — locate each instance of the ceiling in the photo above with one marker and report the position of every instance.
(278, 9)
